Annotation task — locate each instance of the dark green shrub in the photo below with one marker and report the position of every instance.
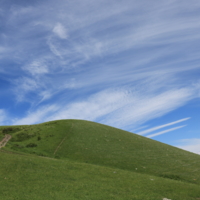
(40, 154)
(56, 156)
(10, 130)
(31, 145)
(171, 176)
(22, 137)
(39, 138)
(17, 146)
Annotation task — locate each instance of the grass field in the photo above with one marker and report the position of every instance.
(75, 159)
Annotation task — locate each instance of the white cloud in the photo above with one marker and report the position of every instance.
(92, 108)
(37, 116)
(3, 117)
(36, 68)
(165, 131)
(162, 126)
(17, 11)
(89, 48)
(119, 108)
(60, 31)
(54, 48)
(140, 108)
(192, 145)
(26, 84)
(2, 49)
(23, 86)
(45, 95)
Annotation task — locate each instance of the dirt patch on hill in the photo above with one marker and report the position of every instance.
(5, 140)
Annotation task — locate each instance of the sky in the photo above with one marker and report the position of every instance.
(134, 65)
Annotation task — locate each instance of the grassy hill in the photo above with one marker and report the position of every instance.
(76, 159)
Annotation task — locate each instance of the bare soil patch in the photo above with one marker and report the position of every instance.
(5, 140)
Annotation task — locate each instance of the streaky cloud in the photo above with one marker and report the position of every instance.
(3, 117)
(119, 108)
(190, 144)
(162, 126)
(165, 131)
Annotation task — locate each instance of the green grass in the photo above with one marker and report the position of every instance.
(26, 177)
(94, 161)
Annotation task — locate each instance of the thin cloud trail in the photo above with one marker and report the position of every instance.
(166, 131)
(162, 126)
(191, 144)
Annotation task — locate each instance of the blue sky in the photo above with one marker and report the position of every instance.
(134, 65)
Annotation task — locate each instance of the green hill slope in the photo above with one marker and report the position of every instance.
(94, 143)
(24, 177)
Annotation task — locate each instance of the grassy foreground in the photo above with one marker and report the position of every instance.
(74, 159)
(24, 177)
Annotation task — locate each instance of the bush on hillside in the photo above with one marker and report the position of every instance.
(31, 145)
(171, 176)
(22, 137)
(10, 130)
(17, 146)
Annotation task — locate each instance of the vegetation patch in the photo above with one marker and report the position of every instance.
(17, 147)
(10, 130)
(32, 177)
(171, 176)
(39, 138)
(22, 137)
(31, 145)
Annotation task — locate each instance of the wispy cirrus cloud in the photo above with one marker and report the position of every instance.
(77, 58)
(119, 108)
(165, 131)
(141, 108)
(3, 117)
(37, 116)
(162, 126)
(36, 68)
(191, 144)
